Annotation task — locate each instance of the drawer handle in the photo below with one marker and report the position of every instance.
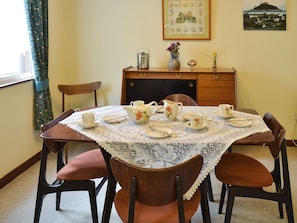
(216, 76)
(142, 75)
(131, 84)
(178, 75)
(191, 85)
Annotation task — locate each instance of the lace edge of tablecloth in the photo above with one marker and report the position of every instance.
(189, 194)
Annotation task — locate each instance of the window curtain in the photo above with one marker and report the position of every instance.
(37, 19)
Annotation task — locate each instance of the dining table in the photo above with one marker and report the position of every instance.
(160, 143)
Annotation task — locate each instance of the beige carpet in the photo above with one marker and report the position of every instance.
(17, 199)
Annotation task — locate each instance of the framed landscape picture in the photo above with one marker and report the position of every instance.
(186, 19)
(264, 15)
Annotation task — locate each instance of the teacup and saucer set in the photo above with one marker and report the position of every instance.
(197, 122)
(225, 111)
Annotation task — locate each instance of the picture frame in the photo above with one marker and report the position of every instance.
(186, 19)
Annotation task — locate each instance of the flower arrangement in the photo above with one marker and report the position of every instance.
(174, 48)
(214, 57)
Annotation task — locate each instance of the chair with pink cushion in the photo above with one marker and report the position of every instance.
(76, 175)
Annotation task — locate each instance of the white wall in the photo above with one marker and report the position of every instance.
(95, 39)
(19, 141)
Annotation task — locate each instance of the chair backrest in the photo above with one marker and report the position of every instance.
(53, 146)
(74, 89)
(156, 187)
(185, 99)
(278, 132)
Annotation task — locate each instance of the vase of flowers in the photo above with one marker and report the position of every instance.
(214, 57)
(174, 63)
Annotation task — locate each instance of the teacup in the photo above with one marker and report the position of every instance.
(88, 119)
(172, 109)
(226, 110)
(137, 102)
(197, 121)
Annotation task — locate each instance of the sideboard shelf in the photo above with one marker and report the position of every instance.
(204, 85)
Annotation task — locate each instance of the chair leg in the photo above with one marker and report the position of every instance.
(58, 200)
(230, 203)
(38, 205)
(209, 188)
(222, 198)
(93, 203)
(289, 209)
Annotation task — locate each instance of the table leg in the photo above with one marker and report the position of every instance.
(110, 193)
(204, 202)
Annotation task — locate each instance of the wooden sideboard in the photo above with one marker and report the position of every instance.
(206, 86)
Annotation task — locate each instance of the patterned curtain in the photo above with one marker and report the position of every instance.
(37, 19)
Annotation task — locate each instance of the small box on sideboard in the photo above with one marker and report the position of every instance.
(206, 86)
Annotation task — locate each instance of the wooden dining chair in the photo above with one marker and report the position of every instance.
(185, 99)
(74, 176)
(156, 195)
(76, 89)
(244, 176)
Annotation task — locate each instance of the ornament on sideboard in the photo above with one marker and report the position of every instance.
(192, 63)
(214, 57)
(174, 63)
(143, 59)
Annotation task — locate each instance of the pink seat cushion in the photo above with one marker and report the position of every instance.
(241, 170)
(88, 165)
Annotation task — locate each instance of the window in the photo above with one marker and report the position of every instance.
(15, 57)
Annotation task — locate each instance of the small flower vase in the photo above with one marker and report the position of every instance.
(214, 65)
(174, 63)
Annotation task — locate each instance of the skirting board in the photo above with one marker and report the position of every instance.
(291, 143)
(19, 170)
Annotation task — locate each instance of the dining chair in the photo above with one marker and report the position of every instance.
(185, 99)
(77, 89)
(244, 176)
(188, 101)
(74, 176)
(156, 195)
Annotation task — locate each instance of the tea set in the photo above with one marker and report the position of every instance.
(139, 113)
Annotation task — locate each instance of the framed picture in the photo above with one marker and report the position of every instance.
(264, 15)
(186, 19)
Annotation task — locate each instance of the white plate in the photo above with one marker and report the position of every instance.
(240, 124)
(114, 118)
(89, 126)
(158, 135)
(187, 124)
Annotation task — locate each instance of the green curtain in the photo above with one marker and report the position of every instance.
(37, 19)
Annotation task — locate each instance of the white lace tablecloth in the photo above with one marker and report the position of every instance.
(129, 142)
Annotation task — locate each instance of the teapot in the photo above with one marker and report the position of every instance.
(141, 113)
(172, 109)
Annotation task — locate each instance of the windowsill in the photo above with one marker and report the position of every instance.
(16, 79)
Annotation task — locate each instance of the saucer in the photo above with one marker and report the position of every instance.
(114, 118)
(187, 116)
(225, 116)
(187, 124)
(89, 126)
(158, 133)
